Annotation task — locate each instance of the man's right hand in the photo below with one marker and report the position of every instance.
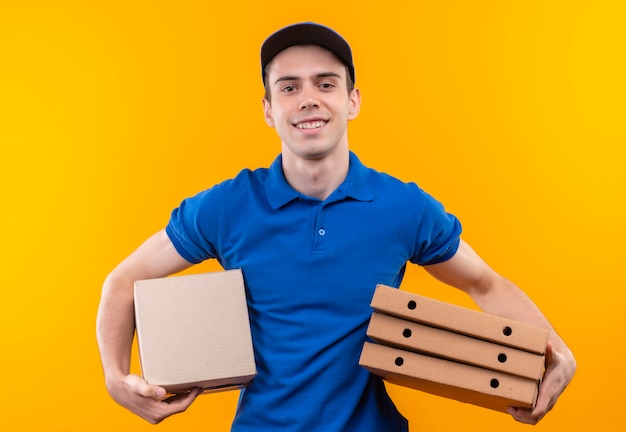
(149, 401)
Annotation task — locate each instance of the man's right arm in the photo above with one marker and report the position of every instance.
(115, 329)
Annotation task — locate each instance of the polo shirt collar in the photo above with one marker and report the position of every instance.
(355, 186)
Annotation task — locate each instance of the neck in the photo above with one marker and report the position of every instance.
(317, 178)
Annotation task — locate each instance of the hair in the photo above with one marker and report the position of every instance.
(266, 85)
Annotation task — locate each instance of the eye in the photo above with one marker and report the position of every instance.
(288, 89)
(327, 86)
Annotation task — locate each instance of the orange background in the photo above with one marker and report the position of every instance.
(511, 113)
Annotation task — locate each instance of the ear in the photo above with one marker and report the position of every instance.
(355, 104)
(267, 112)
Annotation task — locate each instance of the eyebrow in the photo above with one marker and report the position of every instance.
(296, 78)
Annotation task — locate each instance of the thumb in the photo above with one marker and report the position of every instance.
(549, 353)
(155, 392)
(139, 386)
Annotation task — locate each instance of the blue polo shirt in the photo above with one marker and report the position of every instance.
(310, 269)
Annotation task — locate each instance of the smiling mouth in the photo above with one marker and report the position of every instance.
(311, 125)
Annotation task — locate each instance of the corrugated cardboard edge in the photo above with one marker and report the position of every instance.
(448, 379)
(213, 386)
(395, 302)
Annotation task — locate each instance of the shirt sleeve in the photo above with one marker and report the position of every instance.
(438, 233)
(192, 226)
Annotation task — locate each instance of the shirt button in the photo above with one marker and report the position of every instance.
(322, 231)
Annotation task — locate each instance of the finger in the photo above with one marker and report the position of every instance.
(181, 397)
(524, 416)
(157, 411)
(175, 398)
(181, 401)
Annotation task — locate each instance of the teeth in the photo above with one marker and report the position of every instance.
(311, 125)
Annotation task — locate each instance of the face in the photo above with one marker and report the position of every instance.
(310, 104)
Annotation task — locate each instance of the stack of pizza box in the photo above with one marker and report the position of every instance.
(454, 352)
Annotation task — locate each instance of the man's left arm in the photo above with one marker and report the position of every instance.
(497, 295)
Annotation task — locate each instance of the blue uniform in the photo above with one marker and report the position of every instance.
(310, 269)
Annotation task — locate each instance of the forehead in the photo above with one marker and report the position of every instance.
(304, 60)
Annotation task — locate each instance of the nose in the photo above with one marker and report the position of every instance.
(308, 99)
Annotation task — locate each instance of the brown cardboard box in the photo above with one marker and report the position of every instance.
(438, 342)
(194, 331)
(462, 382)
(413, 307)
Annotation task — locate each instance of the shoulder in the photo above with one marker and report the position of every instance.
(384, 186)
(246, 180)
(407, 198)
(375, 177)
(233, 190)
(387, 185)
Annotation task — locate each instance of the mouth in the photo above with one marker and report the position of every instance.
(317, 124)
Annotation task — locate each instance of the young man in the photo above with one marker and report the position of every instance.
(314, 234)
